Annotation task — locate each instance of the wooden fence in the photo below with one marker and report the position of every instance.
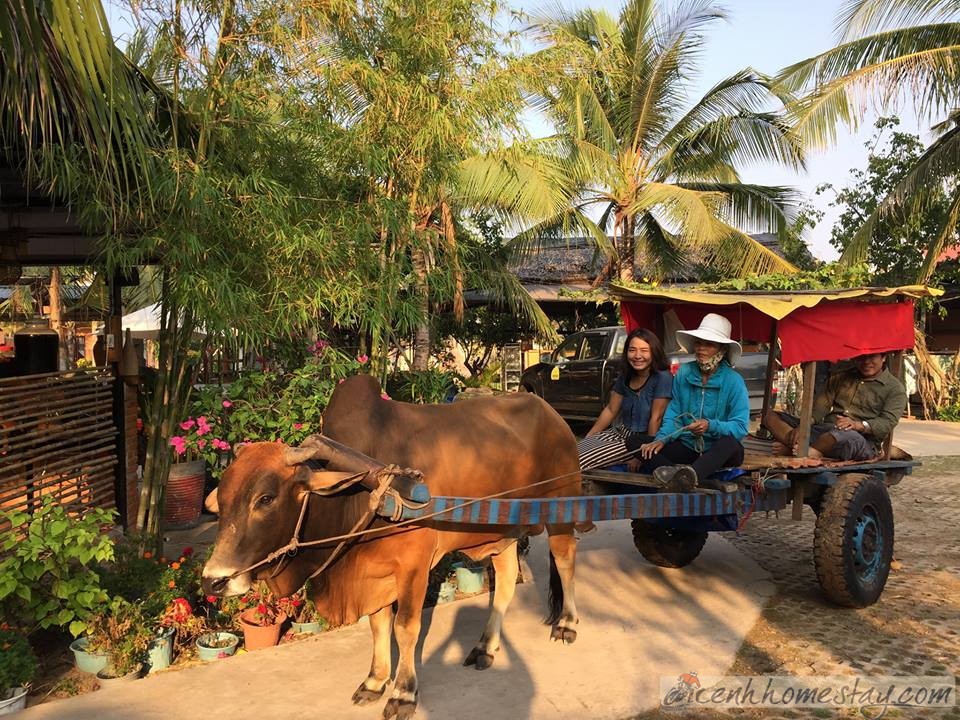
(58, 440)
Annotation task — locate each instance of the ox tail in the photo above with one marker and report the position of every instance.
(554, 595)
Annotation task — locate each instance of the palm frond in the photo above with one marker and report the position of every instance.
(572, 221)
(862, 17)
(760, 207)
(64, 84)
(846, 80)
(946, 235)
(698, 213)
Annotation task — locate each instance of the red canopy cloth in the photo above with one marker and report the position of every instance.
(840, 330)
(830, 330)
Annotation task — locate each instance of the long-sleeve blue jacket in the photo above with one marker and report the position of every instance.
(723, 401)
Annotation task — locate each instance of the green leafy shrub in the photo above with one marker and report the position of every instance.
(950, 413)
(273, 405)
(424, 386)
(48, 572)
(18, 664)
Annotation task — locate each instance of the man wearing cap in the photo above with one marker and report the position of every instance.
(708, 414)
(856, 411)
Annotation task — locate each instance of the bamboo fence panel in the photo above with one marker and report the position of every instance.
(58, 440)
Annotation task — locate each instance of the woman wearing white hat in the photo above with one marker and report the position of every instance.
(708, 414)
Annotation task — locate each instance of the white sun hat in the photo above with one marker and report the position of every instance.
(713, 328)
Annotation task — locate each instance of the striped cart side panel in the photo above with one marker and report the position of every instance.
(595, 508)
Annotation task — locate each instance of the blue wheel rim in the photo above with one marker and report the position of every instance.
(868, 544)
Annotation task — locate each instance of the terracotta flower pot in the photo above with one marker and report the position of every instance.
(260, 636)
(184, 495)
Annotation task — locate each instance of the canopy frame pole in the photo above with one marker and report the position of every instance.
(806, 407)
(771, 370)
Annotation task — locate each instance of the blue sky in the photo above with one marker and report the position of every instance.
(767, 35)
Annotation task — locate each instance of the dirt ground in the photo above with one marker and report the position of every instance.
(913, 630)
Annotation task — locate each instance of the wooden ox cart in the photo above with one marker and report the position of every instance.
(853, 542)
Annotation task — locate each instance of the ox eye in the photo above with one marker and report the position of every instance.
(265, 500)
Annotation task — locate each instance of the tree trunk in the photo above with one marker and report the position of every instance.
(56, 310)
(626, 249)
(421, 335)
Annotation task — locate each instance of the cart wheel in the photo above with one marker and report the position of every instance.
(667, 547)
(853, 541)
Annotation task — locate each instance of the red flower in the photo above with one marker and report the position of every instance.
(212, 599)
(187, 551)
(262, 609)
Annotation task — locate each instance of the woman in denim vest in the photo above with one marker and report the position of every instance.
(637, 402)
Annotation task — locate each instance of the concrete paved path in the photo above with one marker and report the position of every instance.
(638, 622)
(928, 437)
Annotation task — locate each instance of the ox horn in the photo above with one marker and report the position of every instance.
(297, 455)
(212, 504)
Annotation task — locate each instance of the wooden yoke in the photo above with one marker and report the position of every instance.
(345, 459)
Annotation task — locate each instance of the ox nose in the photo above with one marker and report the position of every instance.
(215, 586)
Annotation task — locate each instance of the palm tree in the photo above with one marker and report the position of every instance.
(665, 179)
(890, 48)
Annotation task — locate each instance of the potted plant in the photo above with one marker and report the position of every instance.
(178, 629)
(216, 644)
(262, 619)
(122, 632)
(303, 613)
(18, 665)
(197, 444)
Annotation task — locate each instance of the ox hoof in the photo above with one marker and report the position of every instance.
(363, 696)
(479, 658)
(567, 636)
(401, 709)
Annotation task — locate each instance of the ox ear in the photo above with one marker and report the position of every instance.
(325, 482)
(211, 503)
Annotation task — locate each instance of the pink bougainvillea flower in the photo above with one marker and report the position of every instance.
(298, 426)
(179, 444)
(201, 444)
(363, 359)
(187, 424)
(227, 403)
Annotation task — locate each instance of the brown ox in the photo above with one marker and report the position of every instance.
(473, 449)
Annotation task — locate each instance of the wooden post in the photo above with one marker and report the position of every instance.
(896, 369)
(806, 408)
(771, 369)
(120, 480)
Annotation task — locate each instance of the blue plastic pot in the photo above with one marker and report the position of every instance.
(160, 651)
(87, 662)
(207, 653)
(469, 580)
